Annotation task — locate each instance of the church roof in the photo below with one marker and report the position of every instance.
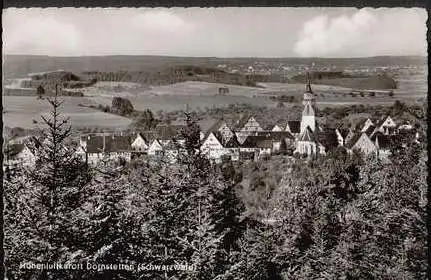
(307, 135)
(308, 110)
(308, 85)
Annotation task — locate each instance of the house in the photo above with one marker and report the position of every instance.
(223, 90)
(367, 124)
(388, 126)
(363, 144)
(281, 140)
(222, 127)
(155, 149)
(19, 154)
(140, 144)
(216, 146)
(343, 135)
(246, 126)
(257, 145)
(105, 147)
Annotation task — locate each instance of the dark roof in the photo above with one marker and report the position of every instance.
(109, 143)
(143, 136)
(295, 126)
(370, 130)
(168, 132)
(240, 121)
(232, 142)
(254, 141)
(275, 135)
(344, 132)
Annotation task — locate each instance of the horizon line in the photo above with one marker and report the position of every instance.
(218, 57)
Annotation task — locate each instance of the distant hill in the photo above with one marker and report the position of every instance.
(348, 80)
(18, 66)
(183, 73)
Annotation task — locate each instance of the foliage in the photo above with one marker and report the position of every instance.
(49, 193)
(121, 106)
(145, 120)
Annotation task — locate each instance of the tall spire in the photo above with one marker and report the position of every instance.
(308, 86)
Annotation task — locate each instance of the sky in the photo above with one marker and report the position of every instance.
(216, 32)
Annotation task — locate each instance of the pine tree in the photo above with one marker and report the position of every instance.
(55, 185)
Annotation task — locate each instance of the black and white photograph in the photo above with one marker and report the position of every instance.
(228, 143)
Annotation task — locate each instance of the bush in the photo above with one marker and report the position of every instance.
(122, 106)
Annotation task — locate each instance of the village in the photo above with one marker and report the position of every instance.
(235, 140)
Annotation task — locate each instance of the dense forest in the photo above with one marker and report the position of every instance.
(334, 217)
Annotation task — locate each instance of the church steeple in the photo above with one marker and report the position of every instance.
(308, 114)
(308, 85)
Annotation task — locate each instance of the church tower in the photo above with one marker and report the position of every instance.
(308, 114)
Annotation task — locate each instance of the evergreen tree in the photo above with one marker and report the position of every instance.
(53, 190)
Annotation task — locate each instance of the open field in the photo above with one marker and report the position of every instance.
(20, 111)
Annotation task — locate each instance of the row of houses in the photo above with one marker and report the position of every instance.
(245, 138)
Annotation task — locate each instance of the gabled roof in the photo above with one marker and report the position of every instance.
(232, 142)
(295, 126)
(343, 132)
(143, 136)
(371, 129)
(215, 127)
(349, 144)
(240, 121)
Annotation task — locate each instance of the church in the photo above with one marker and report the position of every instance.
(309, 139)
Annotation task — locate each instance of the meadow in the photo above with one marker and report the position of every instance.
(23, 111)
(26, 112)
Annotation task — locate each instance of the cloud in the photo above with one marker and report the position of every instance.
(160, 21)
(365, 33)
(42, 35)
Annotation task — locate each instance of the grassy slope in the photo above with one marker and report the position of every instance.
(20, 111)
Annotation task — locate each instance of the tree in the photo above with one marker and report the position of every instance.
(122, 106)
(40, 91)
(145, 120)
(53, 190)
